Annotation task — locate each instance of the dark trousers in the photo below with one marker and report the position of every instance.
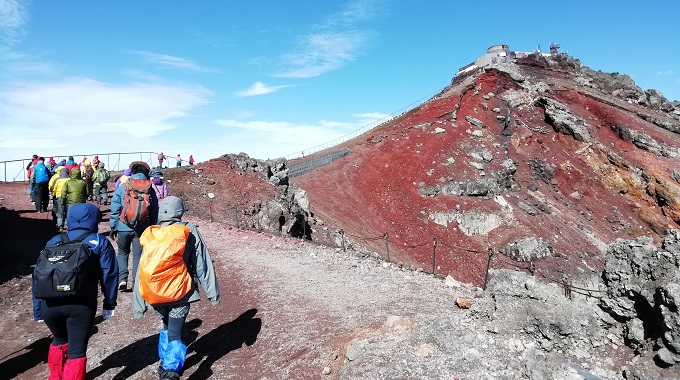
(101, 193)
(71, 323)
(41, 196)
(128, 241)
(88, 188)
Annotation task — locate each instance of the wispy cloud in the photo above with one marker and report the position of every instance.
(13, 18)
(665, 73)
(335, 42)
(77, 108)
(173, 62)
(269, 139)
(259, 88)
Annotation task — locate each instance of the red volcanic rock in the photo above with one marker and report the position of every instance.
(515, 151)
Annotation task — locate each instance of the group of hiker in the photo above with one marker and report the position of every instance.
(178, 160)
(66, 183)
(169, 260)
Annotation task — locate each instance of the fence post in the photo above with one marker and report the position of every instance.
(488, 264)
(434, 252)
(387, 245)
(342, 240)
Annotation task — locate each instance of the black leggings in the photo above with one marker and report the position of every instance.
(72, 324)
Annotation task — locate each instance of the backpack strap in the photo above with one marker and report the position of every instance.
(65, 239)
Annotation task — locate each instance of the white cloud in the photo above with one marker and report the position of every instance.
(173, 62)
(259, 88)
(270, 139)
(337, 41)
(79, 111)
(321, 53)
(13, 18)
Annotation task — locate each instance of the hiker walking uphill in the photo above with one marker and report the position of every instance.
(101, 184)
(40, 178)
(159, 186)
(70, 317)
(74, 190)
(56, 186)
(88, 177)
(134, 207)
(173, 247)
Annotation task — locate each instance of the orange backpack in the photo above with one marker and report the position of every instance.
(163, 275)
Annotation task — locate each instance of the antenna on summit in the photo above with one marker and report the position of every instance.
(554, 48)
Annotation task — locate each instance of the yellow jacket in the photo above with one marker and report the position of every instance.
(56, 183)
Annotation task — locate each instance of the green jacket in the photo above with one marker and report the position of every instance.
(74, 190)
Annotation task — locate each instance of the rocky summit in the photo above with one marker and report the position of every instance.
(551, 187)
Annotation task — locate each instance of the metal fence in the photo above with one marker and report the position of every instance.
(15, 170)
(306, 166)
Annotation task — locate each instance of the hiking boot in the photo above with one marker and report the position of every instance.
(122, 286)
(167, 373)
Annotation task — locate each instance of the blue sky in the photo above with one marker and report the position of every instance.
(271, 78)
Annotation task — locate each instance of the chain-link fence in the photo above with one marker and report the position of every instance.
(307, 165)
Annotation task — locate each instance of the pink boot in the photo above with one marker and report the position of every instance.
(56, 356)
(75, 369)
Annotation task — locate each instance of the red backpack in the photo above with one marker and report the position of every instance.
(136, 201)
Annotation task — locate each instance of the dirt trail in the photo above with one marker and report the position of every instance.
(289, 310)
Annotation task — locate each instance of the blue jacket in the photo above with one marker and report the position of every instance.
(83, 217)
(117, 206)
(40, 173)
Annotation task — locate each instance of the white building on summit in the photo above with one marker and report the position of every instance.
(500, 54)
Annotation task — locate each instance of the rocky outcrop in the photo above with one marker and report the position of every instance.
(645, 142)
(643, 292)
(560, 117)
(528, 249)
(499, 183)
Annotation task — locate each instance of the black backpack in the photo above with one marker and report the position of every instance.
(66, 269)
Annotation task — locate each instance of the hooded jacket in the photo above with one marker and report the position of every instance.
(117, 206)
(101, 173)
(70, 164)
(85, 217)
(122, 179)
(58, 180)
(40, 174)
(196, 258)
(160, 187)
(74, 190)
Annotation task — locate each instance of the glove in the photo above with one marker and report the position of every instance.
(106, 314)
(113, 234)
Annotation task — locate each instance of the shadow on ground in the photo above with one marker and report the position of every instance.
(217, 343)
(21, 240)
(138, 355)
(36, 354)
